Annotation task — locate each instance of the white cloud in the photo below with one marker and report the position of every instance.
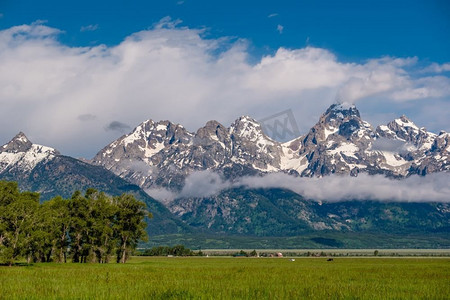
(162, 195)
(396, 146)
(431, 188)
(167, 23)
(437, 68)
(91, 27)
(172, 72)
(203, 184)
(377, 76)
(272, 15)
(280, 28)
(422, 88)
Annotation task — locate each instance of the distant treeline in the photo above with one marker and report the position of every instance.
(92, 227)
(178, 250)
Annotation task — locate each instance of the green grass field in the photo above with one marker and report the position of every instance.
(232, 278)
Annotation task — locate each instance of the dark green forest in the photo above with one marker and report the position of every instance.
(89, 227)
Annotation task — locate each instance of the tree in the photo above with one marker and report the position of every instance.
(78, 231)
(103, 213)
(55, 217)
(18, 218)
(92, 226)
(130, 226)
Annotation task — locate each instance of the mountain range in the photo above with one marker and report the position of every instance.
(43, 169)
(160, 156)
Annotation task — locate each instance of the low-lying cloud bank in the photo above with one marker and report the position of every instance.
(430, 188)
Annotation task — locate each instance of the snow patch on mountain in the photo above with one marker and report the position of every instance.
(20, 153)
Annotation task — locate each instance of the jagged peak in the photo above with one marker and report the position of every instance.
(149, 126)
(249, 129)
(213, 123)
(343, 106)
(246, 119)
(167, 123)
(405, 122)
(165, 129)
(245, 123)
(19, 143)
(211, 127)
(22, 137)
(342, 110)
(408, 125)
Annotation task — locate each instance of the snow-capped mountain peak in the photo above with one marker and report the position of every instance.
(403, 129)
(247, 128)
(342, 110)
(19, 143)
(21, 153)
(163, 154)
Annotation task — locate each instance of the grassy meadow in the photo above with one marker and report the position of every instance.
(232, 278)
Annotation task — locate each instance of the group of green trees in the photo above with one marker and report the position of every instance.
(92, 227)
(246, 254)
(177, 250)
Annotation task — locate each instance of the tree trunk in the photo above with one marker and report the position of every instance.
(124, 250)
(124, 255)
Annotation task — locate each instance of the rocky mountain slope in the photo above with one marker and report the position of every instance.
(162, 154)
(280, 212)
(42, 169)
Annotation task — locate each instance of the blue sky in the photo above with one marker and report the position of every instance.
(353, 30)
(99, 68)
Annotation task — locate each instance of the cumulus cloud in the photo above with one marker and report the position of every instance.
(172, 72)
(422, 88)
(437, 68)
(377, 76)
